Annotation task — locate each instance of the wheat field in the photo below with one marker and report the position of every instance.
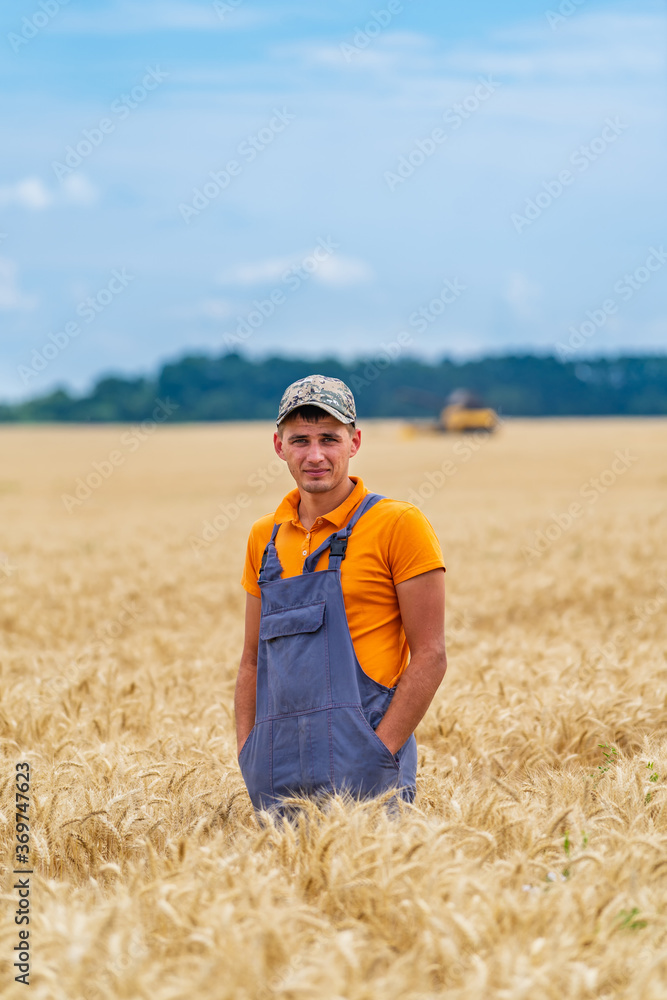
(533, 863)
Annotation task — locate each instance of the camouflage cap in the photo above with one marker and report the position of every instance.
(328, 393)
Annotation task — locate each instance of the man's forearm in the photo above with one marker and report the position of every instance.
(412, 698)
(245, 697)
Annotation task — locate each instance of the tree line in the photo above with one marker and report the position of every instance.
(232, 386)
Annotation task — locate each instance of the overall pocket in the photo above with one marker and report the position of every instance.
(246, 743)
(362, 764)
(381, 746)
(255, 764)
(295, 654)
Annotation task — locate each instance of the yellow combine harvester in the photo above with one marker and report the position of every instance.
(463, 413)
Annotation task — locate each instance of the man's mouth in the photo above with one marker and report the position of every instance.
(315, 472)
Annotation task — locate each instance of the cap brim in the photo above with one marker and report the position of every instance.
(321, 406)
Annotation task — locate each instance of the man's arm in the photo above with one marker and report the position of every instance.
(422, 604)
(246, 682)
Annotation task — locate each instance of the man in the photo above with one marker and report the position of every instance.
(342, 585)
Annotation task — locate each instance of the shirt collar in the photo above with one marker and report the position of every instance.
(288, 509)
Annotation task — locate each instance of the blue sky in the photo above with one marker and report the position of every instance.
(366, 154)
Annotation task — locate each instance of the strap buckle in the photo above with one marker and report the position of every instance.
(338, 547)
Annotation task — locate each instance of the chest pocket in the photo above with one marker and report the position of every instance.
(296, 655)
(292, 621)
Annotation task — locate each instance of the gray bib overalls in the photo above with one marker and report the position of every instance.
(316, 709)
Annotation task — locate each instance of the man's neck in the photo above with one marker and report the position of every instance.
(314, 505)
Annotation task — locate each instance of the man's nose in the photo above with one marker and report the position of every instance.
(315, 453)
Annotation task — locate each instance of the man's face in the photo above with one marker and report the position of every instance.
(317, 454)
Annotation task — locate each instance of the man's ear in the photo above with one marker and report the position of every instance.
(278, 446)
(356, 442)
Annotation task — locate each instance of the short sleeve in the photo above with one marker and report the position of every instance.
(251, 566)
(414, 547)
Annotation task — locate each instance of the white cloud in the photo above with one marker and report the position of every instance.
(341, 271)
(78, 190)
(522, 295)
(392, 51)
(463, 345)
(594, 45)
(124, 17)
(260, 272)
(335, 270)
(30, 192)
(11, 297)
(214, 309)
(630, 334)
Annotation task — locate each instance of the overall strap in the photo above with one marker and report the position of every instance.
(270, 568)
(338, 541)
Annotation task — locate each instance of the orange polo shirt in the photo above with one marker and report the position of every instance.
(391, 543)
